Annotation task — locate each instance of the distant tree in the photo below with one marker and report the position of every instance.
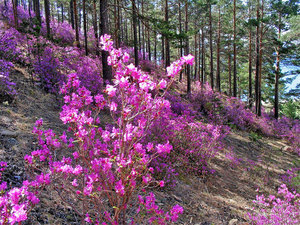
(107, 73)
(47, 15)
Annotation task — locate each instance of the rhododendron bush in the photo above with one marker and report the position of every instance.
(98, 167)
(220, 109)
(277, 210)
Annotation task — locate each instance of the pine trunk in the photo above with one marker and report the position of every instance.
(72, 13)
(188, 68)
(85, 29)
(47, 15)
(15, 12)
(250, 63)
(95, 27)
(134, 25)
(211, 50)
(107, 73)
(234, 51)
(167, 38)
(257, 60)
(276, 106)
(76, 23)
(218, 52)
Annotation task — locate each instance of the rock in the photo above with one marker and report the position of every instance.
(8, 133)
(233, 222)
(11, 142)
(5, 120)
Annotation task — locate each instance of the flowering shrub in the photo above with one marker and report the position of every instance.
(195, 144)
(62, 33)
(221, 109)
(7, 88)
(105, 165)
(291, 178)
(276, 210)
(46, 67)
(16, 202)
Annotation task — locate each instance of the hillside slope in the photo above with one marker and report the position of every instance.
(225, 197)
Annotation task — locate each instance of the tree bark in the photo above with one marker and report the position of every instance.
(218, 52)
(211, 50)
(234, 51)
(62, 13)
(95, 27)
(250, 62)
(85, 29)
(107, 73)
(203, 55)
(196, 55)
(277, 73)
(180, 32)
(76, 24)
(47, 15)
(167, 44)
(260, 60)
(72, 13)
(37, 11)
(188, 68)
(229, 73)
(15, 12)
(135, 42)
(257, 60)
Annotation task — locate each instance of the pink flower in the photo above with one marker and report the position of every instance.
(19, 214)
(110, 90)
(188, 59)
(161, 183)
(166, 148)
(120, 188)
(162, 84)
(74, 183)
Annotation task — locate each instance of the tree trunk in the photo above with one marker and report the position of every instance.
(76, 24)
(277, 73)
(218, 52)
(135, 42)
(260, 60)
(72, 13)
(229, 73)
(199, 56)
(107, 73)
(85, 29)
(188, 68)
(211, 50)
(37, 11)
(117, 23)
(149, 44)
(196, 55)
(15, 11)
(257, 60)
(143, 33)
(47, 15)
(155, 47)
(139, 26)
(180, 31)
(62, 13)
(203, 55)
(167, 38)
(95, 27)
(234, 51)
(250, 62)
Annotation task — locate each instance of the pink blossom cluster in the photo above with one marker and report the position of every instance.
(147, 204)
(16, 202)
(103, 165)
(276, 210)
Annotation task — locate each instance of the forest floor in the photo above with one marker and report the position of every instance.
(224, 197)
